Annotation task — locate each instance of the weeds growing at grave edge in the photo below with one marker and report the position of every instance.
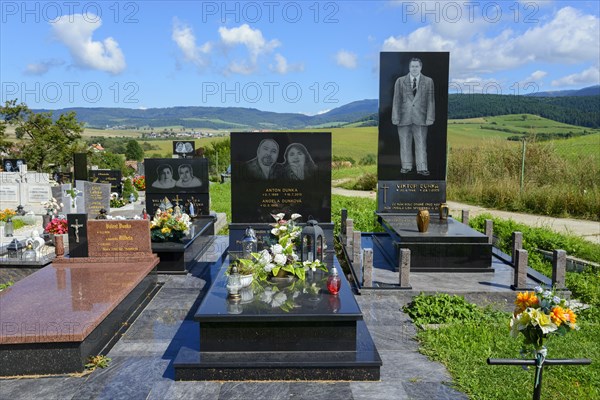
(98, 361)
(463, 347)
(6, 285)
(360, 210)
(441, 308)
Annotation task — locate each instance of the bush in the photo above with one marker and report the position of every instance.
(441, 308)
(369, 159)
(365, 182)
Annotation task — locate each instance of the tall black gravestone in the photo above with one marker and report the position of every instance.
(275, 173)
(411, 166)
(80, 170)
(78, 242)
(413, 119)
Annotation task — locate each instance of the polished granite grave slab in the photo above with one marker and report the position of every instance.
(51, 321)
(284, 330)
(447, 246)
(179, 257)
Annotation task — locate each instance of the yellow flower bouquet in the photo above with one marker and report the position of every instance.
(539, 315)
(169, 226)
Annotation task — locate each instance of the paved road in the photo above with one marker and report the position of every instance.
(589, 230)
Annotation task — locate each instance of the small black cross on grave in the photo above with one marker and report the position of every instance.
(76, 226)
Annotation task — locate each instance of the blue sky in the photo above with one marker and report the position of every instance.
(283, 56)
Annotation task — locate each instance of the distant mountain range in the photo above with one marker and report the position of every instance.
(588, 91)
(577, 107)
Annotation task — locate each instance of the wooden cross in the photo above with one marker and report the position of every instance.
(385, 188)
(76, 225)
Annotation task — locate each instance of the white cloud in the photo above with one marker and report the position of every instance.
(185, 39)
(346, 59)
(536, 76)
(590, 76)
(569, 37)
(252, 39)
(42, 67)
(282, 66)
(76, 31)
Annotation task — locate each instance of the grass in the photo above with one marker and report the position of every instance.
(465, 359)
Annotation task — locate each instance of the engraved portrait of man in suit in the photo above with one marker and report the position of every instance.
(413, 111)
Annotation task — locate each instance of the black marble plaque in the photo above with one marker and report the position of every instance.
(107, 176)
(184, 148)
(63, 177)
(407, 197)
(200, 202)
(280, 172)
(78, 242)
(171, 175)
(80, 167)
(412, 116)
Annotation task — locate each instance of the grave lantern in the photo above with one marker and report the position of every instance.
(249, 243)
(29, 254)
(15, 249)
(312, 241)
(8, 228)
(234, 284)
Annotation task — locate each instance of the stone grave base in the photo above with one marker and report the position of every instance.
(320, 337)
(447, 246)
(179, 257)
(56, 318)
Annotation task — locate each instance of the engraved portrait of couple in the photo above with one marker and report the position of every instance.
(297, 164)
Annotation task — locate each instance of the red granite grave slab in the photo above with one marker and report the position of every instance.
(107, 238)
(65, 301)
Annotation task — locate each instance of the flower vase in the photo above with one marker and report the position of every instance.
(63, 237)
(46, 220)
(423, 220)
(59, 245)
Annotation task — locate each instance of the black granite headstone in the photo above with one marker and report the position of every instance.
(411, 179)
(107, 176)
(78, 242)
(63, 177)
(275, 173)
(171, 175)
(184, 148)
(80, 167)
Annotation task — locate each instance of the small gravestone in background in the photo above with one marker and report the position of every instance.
(80, 169)
(112, 177)
(95, 196)
(184, 148)
(180, 180)
(78, 242)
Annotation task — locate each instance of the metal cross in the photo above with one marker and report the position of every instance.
(76, 225)
(177, 200)
(385, 188)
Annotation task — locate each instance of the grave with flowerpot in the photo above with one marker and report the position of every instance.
(286, 327)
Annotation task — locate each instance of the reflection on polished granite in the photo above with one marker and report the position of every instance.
(65, 302)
